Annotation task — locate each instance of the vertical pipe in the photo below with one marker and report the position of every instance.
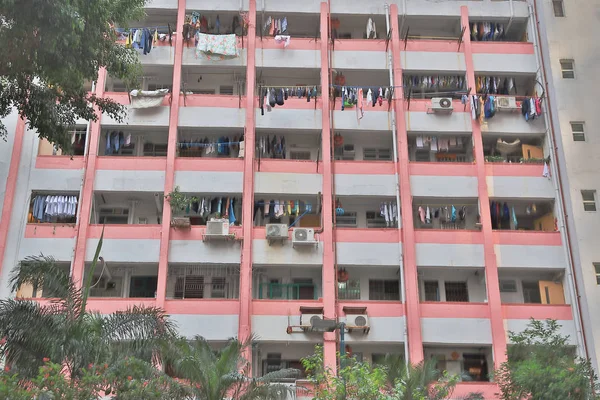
(491, 267)
(163, 260)
(390, 62)
(85, 200)
(328, 270)
(245, 319)
(411, 305)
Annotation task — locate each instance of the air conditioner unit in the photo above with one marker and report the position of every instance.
(442, 105)
(307, 320)
(303, 236)
(506, 103)
(277, 231)
(357, 322)
(217, 228)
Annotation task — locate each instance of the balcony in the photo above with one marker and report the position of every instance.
(210, 150)
(451, 214)
(470, 364)
(194, 282)
(287, 283)
(132, 149)
(215, 111)
(123, 280)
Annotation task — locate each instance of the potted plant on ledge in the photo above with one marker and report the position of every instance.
(179, 203)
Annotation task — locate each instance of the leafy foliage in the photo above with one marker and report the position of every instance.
(225, 372)
(50, 49)
(542, 365)
(65, 331)
(392, 381)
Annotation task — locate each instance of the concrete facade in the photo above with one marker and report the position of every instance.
(459, 283)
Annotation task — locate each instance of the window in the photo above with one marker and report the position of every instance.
(300, 155)
(155, 150)
(508, 286)
(531, 292)
(377, 154)
(568, 69)
(589, 200)
(375, 220)
(226, 90)
(456, 291)
(384, 290)
(111, 216)
(348, 220)
(559, 8)
(189, 287)
(349, 290)
(218, 287)
(597, 270)
(578, 133)
(432, 291)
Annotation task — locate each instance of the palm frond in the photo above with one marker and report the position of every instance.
(31, 332)
(42, 272)
(88, 281)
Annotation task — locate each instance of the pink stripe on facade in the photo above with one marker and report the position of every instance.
(50, 231)
(527, 238)
(212, 100)
(85, 202)
(289, 166)
(350, 45)
(441, 46)
(202, 307)
(125, 231)
(107, 305)
(443, 236)
(60, 162)
(454, 310)
(282, 307)
(245, 303)
(364, 167)
(503, 48)
(413, 320)
(502, 169)
(10, 188)
(538, 311)
(491, 268)
(209, 164)
(296, 43)
(357, 235)
(131, 163)
(375, 309)
(163, 261)
(442, 169)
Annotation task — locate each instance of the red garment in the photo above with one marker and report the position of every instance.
(538, 106)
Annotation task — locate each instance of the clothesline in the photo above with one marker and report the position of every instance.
(193, 144)
(416, 206)
(127, 30)
(288, 86)
(363, 87)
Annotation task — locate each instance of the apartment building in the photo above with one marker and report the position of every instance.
(570, 59)
(428, 221)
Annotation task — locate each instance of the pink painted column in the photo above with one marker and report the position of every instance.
(328, 277)
(409, 253)
(245, 318)
(163, 261)
(491, 267)
(85, 202)
(11, 185)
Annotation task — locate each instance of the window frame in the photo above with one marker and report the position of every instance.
(376, 154)
(456, 283)
(597, 272)
(426, 293)
(578, 135)
(588, 204)
(348, 215)
(350, 290)
(561, 4)
(570, 72)
(385, 294)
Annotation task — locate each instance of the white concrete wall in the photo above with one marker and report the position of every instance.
(211, 117)
(465, 331)
(157, 116)
(443, 186)
(372, 121)
(433, 62)
(365, 185)
(372, 254)
(159, 55)
(459, 123)
(281, 118)
(449, 255)
(48, 179)
(60, 249)
(196, 251)
(209, 182)
(131, 181)
(190, 59)
(125, 250)
(475, 281)
(567, 328)
(285, 254)
(520, 256)
(520, 187)
(363, 60)
(284, 183)
(216, 5)
(210, 327)
(286, 58)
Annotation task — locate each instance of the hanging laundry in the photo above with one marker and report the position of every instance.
(427, 216)
(285, 39)
(221, 45)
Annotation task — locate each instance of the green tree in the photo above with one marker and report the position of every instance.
(542, 365)
(420, 381)
(50, 49)
(216, 374)
(65, 331)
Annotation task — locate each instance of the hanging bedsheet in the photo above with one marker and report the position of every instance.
(147, 99)
(217, 45)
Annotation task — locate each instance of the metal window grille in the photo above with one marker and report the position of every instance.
(432, 291)
(300, 155)
(349, 290)
(203, 281)
(559, 8)
(226, 90)
(372, 154)
(384, 290)
(597, 270)
(457, 291)
(348, 220)
(375, 220)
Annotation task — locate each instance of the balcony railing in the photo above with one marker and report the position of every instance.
(287, 291)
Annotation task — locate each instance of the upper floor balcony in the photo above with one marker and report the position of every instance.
(470, 364)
